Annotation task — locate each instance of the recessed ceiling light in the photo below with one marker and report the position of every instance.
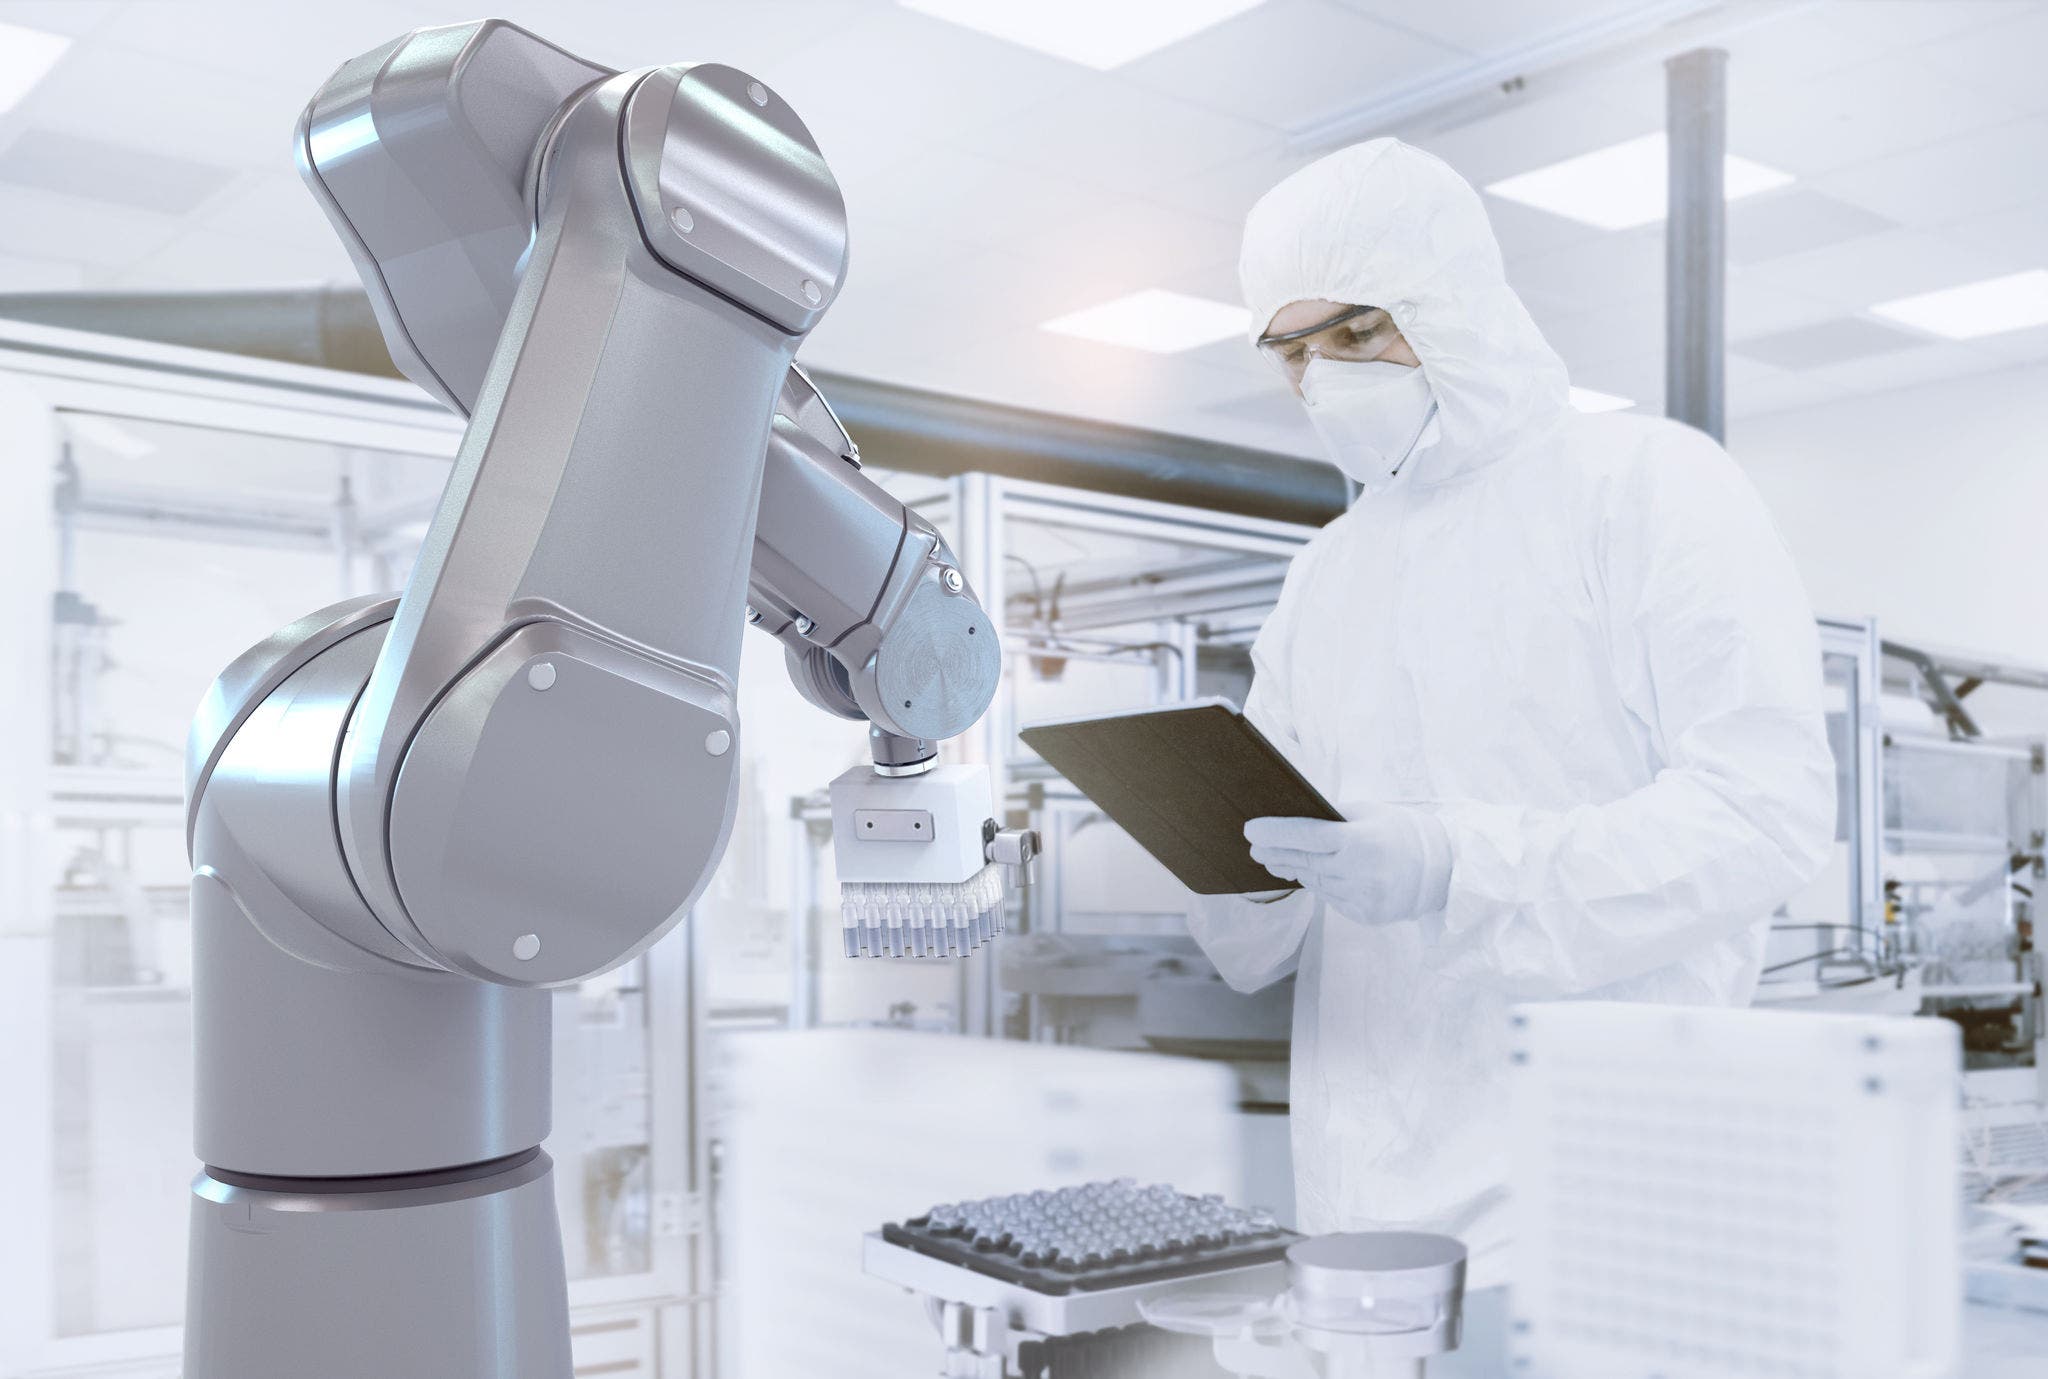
(2012, 302)
(1089, 32)
(26, 57)
(1589, 400)
(1155, 320)
(1620, 187)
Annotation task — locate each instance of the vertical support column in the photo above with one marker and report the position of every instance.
(978, 510)
(1695, 240)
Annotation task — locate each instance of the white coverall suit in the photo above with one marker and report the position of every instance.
(1579, 641)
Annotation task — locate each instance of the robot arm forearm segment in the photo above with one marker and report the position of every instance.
(876, 618)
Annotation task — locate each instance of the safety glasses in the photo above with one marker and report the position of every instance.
(1356, 334)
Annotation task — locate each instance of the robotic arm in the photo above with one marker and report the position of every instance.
(608, 274)
(407, 818)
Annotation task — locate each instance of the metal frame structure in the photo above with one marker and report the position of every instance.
(46, 373)
(1856, 639)
(1221, 603)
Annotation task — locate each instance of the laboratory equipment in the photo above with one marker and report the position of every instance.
(919, 874)
(1358, 1305)
(822, 1134)
(1715, 1191)
(410, 817)
(1050, 1282)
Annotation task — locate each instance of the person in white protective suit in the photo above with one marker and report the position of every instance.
(1558, 672)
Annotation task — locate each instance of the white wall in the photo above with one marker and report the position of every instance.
(1924, 506)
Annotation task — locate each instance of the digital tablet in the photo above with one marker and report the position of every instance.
(1184, 781)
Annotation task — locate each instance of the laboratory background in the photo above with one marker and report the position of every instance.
(1815, 229)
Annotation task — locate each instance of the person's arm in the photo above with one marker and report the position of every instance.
(1709, 609)
(1255, 940)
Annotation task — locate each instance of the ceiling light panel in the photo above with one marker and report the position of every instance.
(1973, 310)
(1623, 185)
(1154, 320)
(26, 57)
(1089, 32)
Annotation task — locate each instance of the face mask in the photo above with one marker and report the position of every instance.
(1372, 417)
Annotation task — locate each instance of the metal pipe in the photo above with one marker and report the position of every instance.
(897, 428)
(1695, 240)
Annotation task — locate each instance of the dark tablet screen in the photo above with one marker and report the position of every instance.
(1184, 781)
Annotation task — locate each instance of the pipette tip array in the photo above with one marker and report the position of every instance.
(921, 919)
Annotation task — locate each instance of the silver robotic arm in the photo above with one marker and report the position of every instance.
(409, 817)
(609, 274)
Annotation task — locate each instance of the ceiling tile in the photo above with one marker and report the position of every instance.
(1821, 123)
(1793, 220)
(1913, 23)
(1134, 240)
(99, 171)
(958, 194)
(45, 225)
(136, 100)
(270, 204)
(1934, 184)
(1487, 26)
(1291, 62)
(1621, 330)
(297, 48)
(1784, 392)
(209, 259)
(757, 36)
(1535, 132)
(2018, 234)
(1524, 232)
(1877, 268)
(2027, 346)
(1228, 191)
(1789, 44)
(897, 80)
(74, 18)
(1117, 136)
(2002, 59)
(1759, 308)
(39, 275)
(1828, 342)
(1626, 267)
(1217, 281)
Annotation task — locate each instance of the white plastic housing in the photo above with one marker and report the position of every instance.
(1704, 1192)
(958, 801)
(913, 878)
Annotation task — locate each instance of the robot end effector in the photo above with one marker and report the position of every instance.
(879, 624)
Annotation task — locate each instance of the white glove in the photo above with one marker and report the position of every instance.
(1383, 863)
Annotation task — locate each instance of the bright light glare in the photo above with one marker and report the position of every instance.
(1623, 186)
(2013, 302)
(1591, 400)
(1155, 320)
(110, 436)
(1096, 33)
(26, 57)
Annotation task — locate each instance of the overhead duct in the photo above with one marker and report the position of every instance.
(898, 428)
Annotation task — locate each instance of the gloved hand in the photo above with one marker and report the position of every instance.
(1385, 862)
